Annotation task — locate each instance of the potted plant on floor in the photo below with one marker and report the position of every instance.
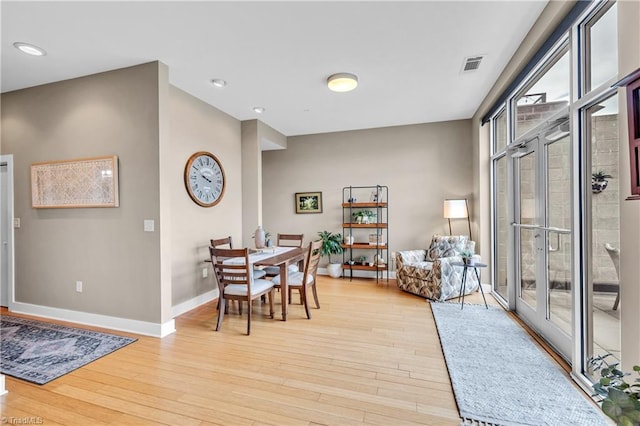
(331, 245)
(620, 399)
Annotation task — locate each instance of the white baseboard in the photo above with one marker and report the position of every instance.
(3, 390)
(486, 288)
(190, 304)
(104, 321)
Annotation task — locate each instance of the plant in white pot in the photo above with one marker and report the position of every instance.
(467, 257)
(331, 245)
(599, 181)
(364, 216)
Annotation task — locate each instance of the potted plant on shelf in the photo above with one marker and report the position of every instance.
(599, 181)
(364, 216)
(331, 245)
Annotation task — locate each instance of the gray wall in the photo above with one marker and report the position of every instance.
(113, 113)
(197, 126)
(421, 164)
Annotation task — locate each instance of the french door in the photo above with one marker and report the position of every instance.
(542, 235)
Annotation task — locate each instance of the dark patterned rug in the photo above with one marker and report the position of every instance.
(40, 352)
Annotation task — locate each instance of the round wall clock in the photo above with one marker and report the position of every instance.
(204, 179)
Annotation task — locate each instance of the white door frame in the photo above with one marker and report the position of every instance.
(8, 160)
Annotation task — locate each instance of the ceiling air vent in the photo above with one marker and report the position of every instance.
(472, 63)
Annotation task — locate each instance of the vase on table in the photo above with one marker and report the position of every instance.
(259, 237)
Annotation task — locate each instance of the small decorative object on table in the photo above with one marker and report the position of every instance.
(599, 181)
(259, 237)
(467, 257)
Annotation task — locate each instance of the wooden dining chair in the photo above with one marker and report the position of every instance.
(226, 241)
(236, 282)
(306, 279)
(286, 240)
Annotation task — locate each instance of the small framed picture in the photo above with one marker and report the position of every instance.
(374, 197)
(308, 202)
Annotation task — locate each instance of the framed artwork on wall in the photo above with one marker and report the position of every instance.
(85, 182)
(308, 202)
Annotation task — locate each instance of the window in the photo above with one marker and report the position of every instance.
(601, 41)
(545, 95)
(500, 132)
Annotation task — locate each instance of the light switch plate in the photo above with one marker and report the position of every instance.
(16, 222)
(149, 225)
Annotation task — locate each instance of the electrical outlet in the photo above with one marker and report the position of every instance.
(79, 286)
(205, 272)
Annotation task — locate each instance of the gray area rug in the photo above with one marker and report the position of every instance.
(499, 375)
(40, 352)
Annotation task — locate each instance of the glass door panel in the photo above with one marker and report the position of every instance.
(543, 184)
(558, 191)
(603, 217)
(527, 197)
(501, 226)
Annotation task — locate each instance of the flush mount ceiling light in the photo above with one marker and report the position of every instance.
(29, 49)
(218, 82)
(342, 82)
(258, 110)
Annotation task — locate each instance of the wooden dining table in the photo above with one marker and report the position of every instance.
(282, 259)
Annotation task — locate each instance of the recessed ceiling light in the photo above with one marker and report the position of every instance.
(218, 82)
(29, 49)
(342, 82)
(258, 110)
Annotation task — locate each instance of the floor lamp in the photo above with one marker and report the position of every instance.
(457, 209)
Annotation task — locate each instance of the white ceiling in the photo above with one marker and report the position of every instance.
(408, 55)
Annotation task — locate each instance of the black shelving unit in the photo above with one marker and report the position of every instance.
(365, 245)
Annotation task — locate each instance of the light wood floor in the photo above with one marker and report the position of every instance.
(370, 355)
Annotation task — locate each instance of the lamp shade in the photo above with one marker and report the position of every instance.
(455, 209)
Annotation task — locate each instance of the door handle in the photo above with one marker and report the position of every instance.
(557, 247)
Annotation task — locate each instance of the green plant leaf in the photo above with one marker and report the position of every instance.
(624, 421)
(618, 396)
(611, 409)
(633, 415)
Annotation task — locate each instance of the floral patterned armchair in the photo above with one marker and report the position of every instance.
(429, 273)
